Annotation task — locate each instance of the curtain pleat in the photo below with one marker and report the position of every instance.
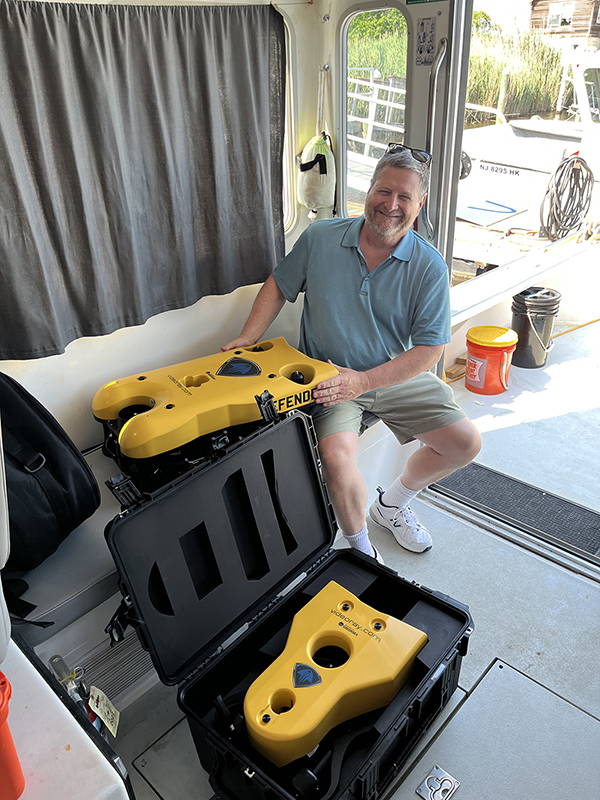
(140, 163)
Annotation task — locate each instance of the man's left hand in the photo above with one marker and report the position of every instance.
(345, 386)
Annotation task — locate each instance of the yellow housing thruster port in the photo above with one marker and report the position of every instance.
(342, 658)
(163, 409)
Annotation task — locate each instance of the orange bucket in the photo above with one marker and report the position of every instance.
(489, 353)
(12, 781)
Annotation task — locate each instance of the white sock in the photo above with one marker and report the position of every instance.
(360, 541)
(398, 495)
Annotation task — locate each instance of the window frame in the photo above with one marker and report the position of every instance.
(557, 10)
(343, 84)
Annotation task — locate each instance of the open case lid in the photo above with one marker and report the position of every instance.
(210, 552)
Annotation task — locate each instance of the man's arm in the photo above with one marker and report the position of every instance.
(267, 305)
(350, 383)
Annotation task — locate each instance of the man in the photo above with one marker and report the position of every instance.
(376, 305)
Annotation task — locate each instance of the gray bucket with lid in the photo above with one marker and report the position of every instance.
(533, 314)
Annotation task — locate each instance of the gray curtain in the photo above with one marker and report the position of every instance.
(140, 163)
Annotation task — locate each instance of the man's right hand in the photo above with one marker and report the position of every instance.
(241, 341)
(267, 304)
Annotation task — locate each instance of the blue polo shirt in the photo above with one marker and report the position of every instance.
(360, 319)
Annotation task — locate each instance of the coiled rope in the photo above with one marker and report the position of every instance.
(567, 199)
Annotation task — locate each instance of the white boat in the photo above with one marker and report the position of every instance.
(539, 127)
(508, 166)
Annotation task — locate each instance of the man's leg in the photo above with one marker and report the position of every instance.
(446, 450)
(346, 487)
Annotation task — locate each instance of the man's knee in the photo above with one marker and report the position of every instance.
(468, 441)
(459, 441)
(338, 451)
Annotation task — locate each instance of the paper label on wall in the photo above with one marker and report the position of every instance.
(425, 41)
(101, 705)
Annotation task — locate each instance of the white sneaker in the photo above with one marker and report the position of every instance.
(402, 523)
(377, 555)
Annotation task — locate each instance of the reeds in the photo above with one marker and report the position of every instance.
(386, 53)
(534, 73)
(534, 68)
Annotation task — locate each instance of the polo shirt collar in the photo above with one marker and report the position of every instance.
(404, 251)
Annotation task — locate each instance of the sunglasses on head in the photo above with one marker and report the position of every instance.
(419, 155)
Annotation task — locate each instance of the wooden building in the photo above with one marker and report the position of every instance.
(577, 21)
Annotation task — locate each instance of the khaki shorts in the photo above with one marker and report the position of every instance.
(422, 404)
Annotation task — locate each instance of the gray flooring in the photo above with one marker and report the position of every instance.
(509, 724)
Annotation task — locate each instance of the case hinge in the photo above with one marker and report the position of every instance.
(123, 617)
(316, 564)
(197, 669)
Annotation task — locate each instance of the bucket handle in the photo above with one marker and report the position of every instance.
(537, 336)
(503, 380)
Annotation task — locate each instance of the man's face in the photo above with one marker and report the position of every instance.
(393, 203)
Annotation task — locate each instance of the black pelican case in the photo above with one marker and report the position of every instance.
(213, 569)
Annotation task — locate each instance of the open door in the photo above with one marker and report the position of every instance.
(407, 85)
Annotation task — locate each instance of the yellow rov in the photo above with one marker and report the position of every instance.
(163, 409)
(342, 658)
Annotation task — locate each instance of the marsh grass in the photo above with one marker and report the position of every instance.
(534, 66)
(534, 73)
(386, 54)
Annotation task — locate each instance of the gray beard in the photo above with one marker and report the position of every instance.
(385, 232)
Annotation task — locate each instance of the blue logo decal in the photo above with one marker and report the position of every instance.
(239, 368)
(305, 675)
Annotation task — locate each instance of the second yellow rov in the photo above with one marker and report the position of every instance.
(342, 658)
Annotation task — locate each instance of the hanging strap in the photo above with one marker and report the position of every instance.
(35, 464)
(321, 98)
(318, 159)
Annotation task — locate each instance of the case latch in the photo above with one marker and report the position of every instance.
(219, 442)
(266, 406)
(124, 490)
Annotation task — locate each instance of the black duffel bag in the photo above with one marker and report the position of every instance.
(51, 488)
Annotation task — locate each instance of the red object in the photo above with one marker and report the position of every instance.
(12, 781)
(489, 355)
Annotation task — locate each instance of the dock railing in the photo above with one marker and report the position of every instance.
(374, 108)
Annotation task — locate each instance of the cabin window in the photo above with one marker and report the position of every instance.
(140, 163)
(376, 51)
(560, 15)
